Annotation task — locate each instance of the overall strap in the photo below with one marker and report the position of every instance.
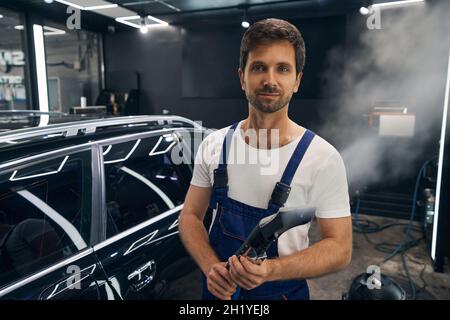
(226, 148)
(282, 189)
(220, 185)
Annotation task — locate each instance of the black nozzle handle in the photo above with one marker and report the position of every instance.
(284, 220)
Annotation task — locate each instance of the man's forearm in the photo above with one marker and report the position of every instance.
(195, 238)
(324, 257)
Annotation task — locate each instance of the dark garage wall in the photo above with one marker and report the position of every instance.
(193, 71)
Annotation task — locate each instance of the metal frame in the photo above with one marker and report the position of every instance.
(90, 126)
(30, 112)
(98, 230)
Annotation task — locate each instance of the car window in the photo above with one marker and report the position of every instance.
(45, 213)
(143, 179)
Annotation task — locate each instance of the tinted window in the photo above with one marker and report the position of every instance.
(45, 213)
(12, 62)
(143, 180)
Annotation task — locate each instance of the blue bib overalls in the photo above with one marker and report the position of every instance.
(235, 220)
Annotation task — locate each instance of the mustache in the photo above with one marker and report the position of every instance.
(268, 90)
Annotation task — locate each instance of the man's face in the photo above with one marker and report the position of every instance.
(269, 79)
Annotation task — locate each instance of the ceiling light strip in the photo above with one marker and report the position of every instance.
(395, 3)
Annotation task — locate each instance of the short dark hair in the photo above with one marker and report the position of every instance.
(270, 30)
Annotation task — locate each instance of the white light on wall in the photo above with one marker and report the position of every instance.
(41, 70)
(440, 163)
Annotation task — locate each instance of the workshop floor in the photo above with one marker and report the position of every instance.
(331, 287)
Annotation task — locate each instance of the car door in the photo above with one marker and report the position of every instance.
(45, 227)
(145, 184)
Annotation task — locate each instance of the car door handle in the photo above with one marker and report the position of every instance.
(143, 275)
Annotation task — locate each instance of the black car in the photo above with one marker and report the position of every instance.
(89, 207)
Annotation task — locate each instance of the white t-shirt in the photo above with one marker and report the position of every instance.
(320, 180)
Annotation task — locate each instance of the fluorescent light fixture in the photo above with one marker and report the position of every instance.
(1, 16)
(440, 163)
(48, 1)
(395, 4)
(19, 27)
(89, 8)
(41, 68)
(157, 20)
(105, 6)
(126, 20)
(70, 4)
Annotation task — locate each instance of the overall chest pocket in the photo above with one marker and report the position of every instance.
(236, 225)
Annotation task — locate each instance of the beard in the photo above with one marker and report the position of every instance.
(268, 105)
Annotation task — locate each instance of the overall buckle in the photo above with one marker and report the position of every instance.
(280, 194)
(220, 178)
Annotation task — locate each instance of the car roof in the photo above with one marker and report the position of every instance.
(21, 119)
(50, 131)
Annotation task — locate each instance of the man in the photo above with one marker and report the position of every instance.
(272, 56)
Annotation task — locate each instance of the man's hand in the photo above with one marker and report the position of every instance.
(248, 274)
(219, 282)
